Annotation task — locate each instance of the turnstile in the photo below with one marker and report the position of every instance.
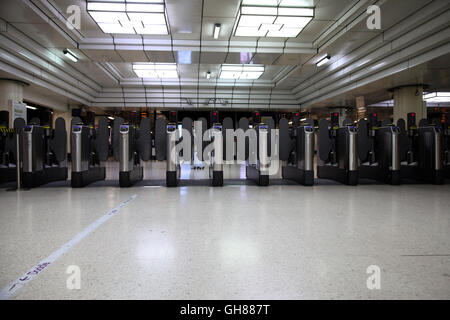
(130, 169)
(216, 167)
(378, 151)
(89, 153)
(297, 151)
(422, 159)
(338, 151)
(44, 154)
(173, 167)
(258, 164)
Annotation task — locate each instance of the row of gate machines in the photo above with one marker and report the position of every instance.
(386, 152)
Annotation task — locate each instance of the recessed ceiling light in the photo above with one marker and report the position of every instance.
(129, 17)
(70, 55)
(272, 18)
(217, 27)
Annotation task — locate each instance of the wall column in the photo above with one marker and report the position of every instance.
(10, 91)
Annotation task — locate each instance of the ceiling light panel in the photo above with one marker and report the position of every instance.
(129, 17)
(267, 18)
(437, 97)
(241, 71)
(156, 70)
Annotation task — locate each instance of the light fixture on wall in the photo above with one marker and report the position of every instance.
(156, 70)
(323, 60)
(272, 18)
(129, 16)
(217, 27)
(70, 55)
(241, 71)
(208, 75)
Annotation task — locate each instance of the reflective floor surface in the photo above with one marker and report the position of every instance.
(234, 242)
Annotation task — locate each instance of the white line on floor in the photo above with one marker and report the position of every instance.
(10, 290)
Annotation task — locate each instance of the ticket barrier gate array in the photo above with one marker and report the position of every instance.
(378, 151)
(258, 164)
(89, 153)
(422, 153)
(44, 154)
(337, 157)
(297, 151)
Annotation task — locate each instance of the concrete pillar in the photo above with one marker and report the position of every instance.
(10, 91)
(409, 99)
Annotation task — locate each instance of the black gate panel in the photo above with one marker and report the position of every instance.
(160, 139)
(102, 139)
(324, 140)
(144, 143)
(58, 143)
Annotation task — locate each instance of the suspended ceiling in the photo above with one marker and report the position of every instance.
(414, 32)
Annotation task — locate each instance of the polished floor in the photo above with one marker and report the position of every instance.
(284, 241)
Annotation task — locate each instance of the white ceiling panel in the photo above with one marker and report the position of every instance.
(15, 11)
(133, 55)
(44, 34)
(103, 55)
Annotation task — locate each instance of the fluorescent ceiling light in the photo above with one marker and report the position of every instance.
(156, 70)
(323, 60)
(70, 55)
(32, 108)
(437, 97)
(241, 71)
(267, 18)
(217, 27)
(111, 118)
(208, 75)
(129, 17)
